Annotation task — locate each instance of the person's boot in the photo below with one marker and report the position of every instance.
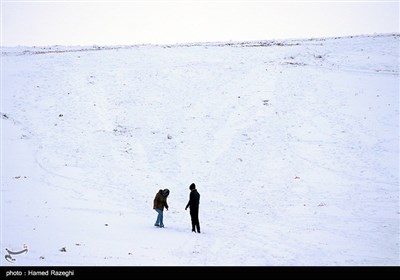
(198, 228)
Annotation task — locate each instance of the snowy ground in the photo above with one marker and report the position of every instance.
(294, 147)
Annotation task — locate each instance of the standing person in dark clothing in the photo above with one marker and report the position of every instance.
(194, 201)
(160, 201)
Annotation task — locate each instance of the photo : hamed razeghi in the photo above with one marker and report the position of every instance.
(52, 272)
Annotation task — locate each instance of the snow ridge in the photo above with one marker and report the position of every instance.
(293, 145)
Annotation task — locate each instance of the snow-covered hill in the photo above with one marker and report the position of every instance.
(293, 145)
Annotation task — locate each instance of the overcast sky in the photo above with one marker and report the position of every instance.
(135, 22)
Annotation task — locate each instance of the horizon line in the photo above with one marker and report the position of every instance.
(194, 43)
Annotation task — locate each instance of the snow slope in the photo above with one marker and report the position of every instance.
(293, 145)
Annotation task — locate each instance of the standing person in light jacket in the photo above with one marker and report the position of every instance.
(160, 201)
(194, 201)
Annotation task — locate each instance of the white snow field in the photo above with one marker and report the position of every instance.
(293, 146)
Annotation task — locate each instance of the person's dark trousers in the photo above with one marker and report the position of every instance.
(194, 214)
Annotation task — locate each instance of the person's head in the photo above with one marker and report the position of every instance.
(165, 192)
(192, 186)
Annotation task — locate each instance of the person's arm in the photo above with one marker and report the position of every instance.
(188, 204)
(155, 201)
(166, 204)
